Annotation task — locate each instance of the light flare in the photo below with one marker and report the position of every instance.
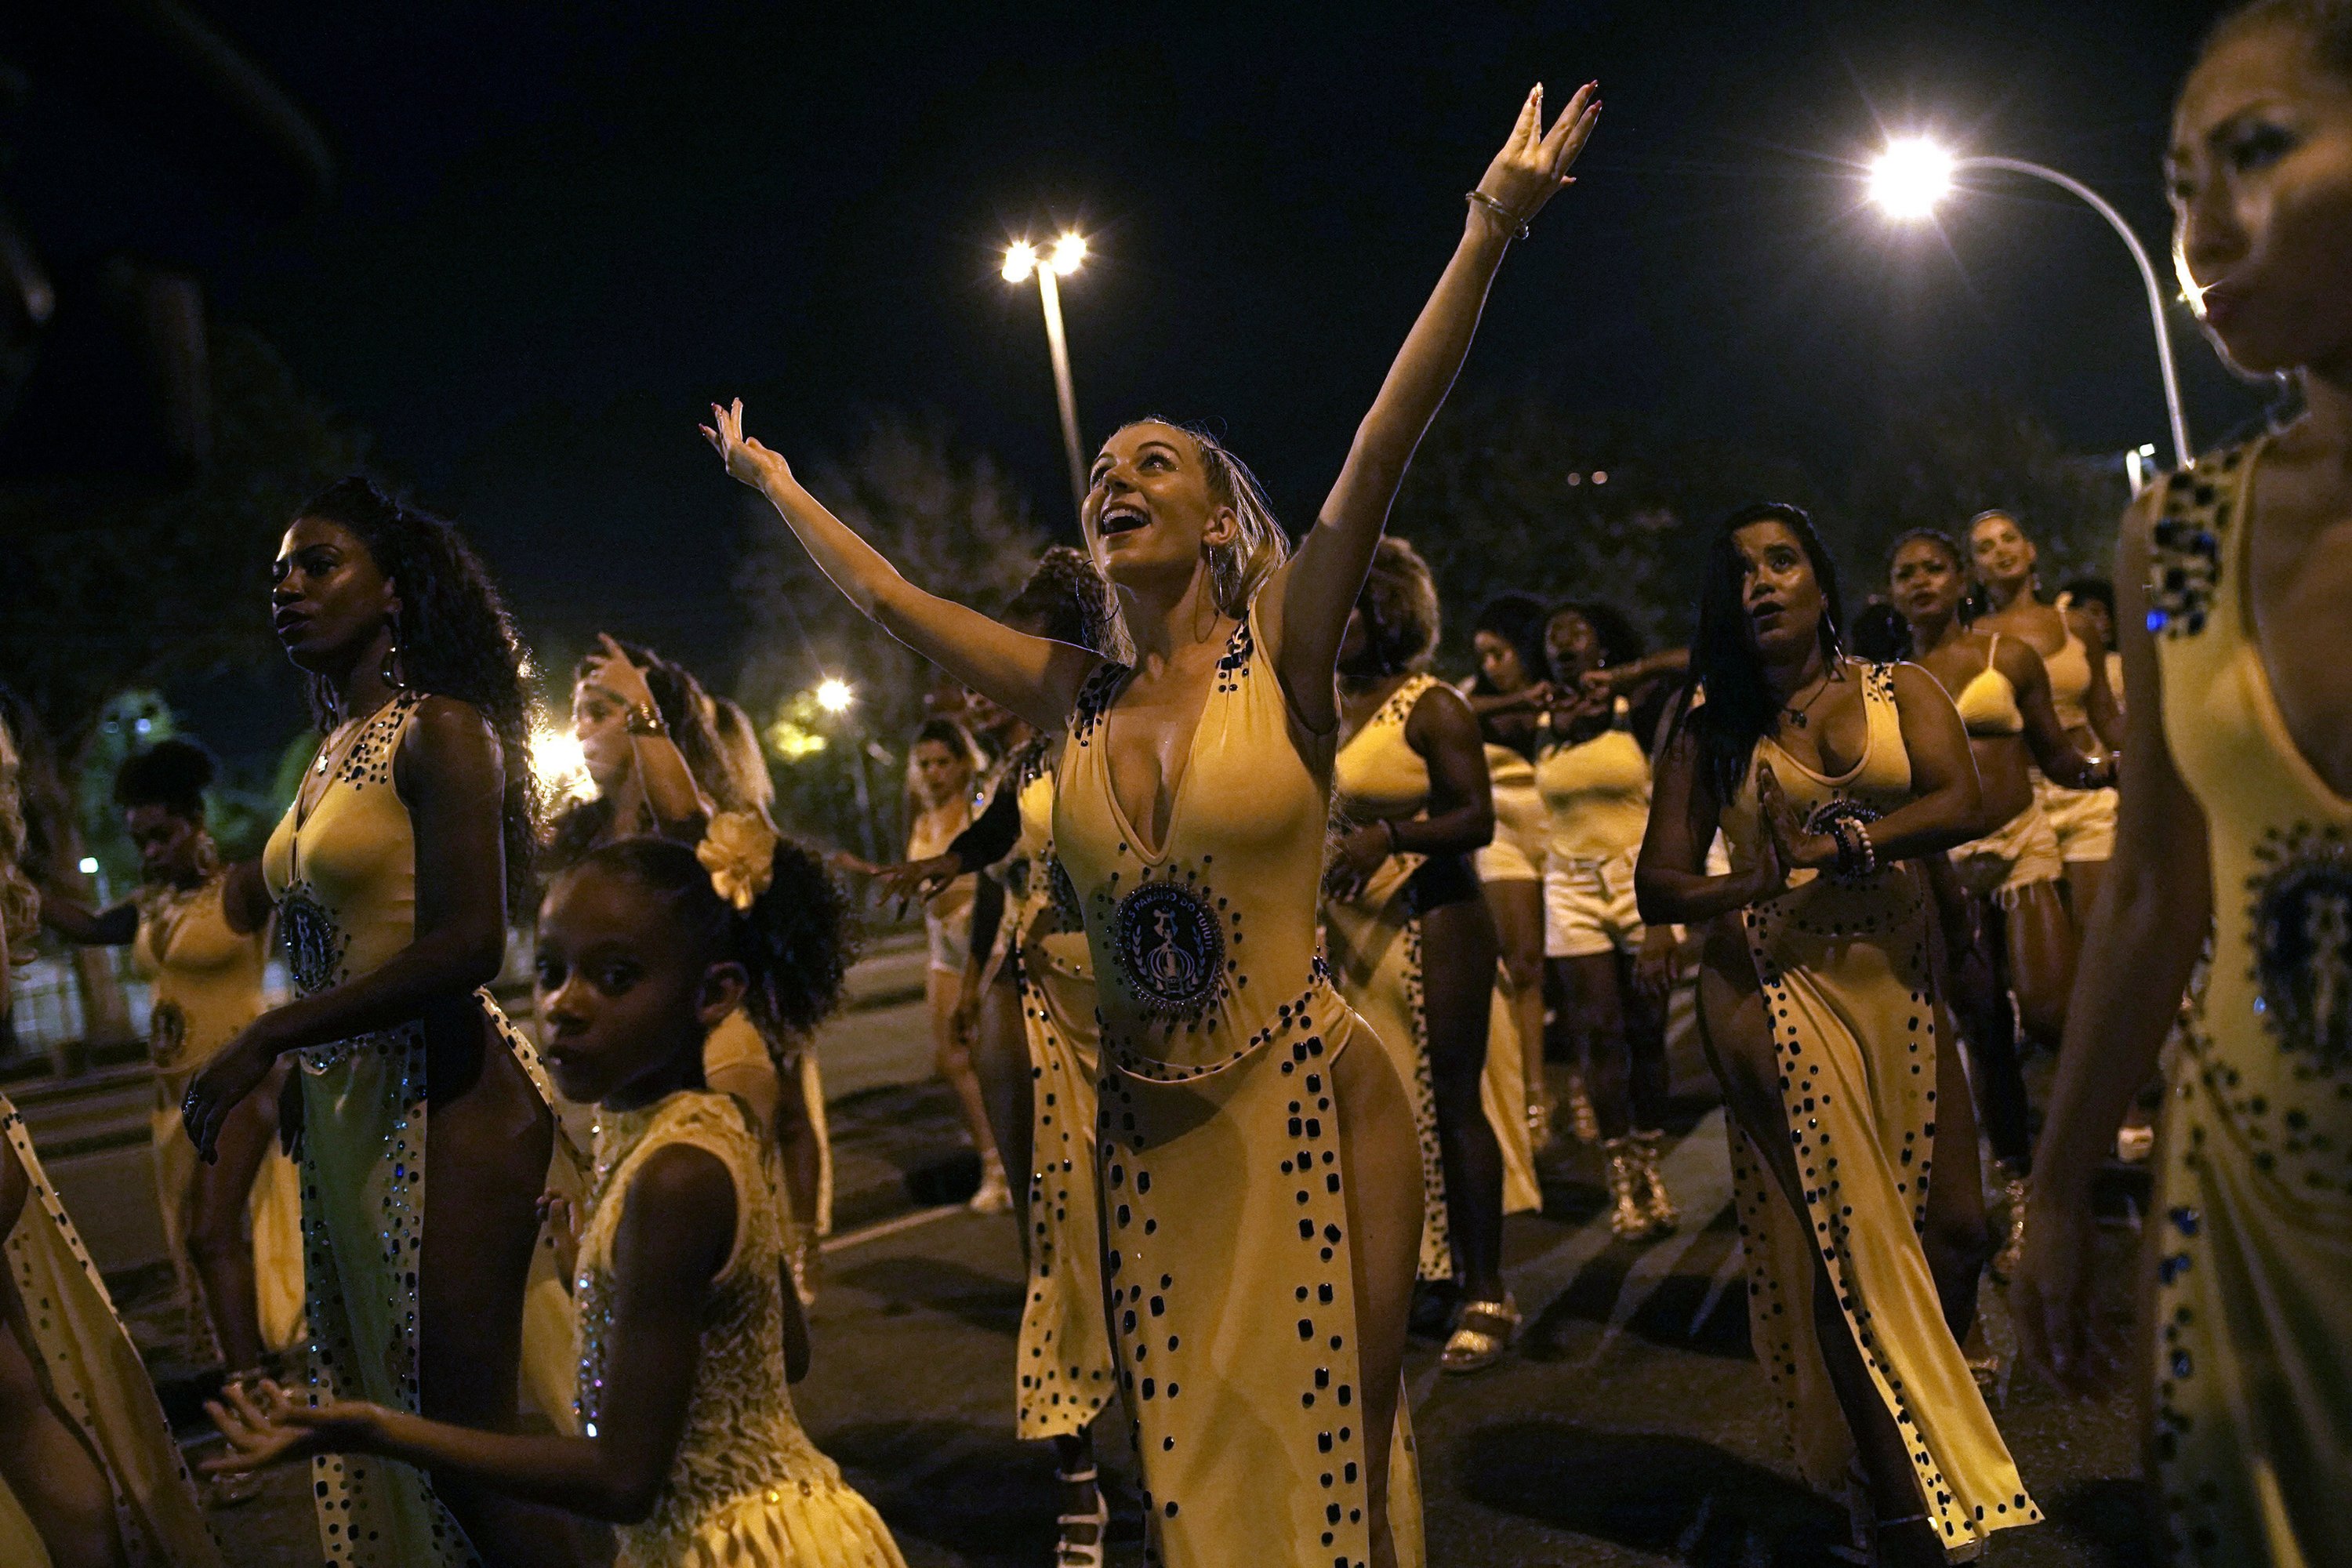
(1020, 261)
(1911, 176)
(835, 694)
(1069, 255)
(560, 765)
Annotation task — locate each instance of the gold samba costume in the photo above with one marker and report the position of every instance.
(1067, 1367)
(2023, 850)
(2252, 1326)
(2083, 820)
(343, 872)
(747, 1487)
(1516, 852)
(205, 981)
(1843, 967)
(87, 1361)
(1227, 1237)
(1374, 944)
(1596, 799)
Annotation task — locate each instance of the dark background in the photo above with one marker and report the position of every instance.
(561, 229)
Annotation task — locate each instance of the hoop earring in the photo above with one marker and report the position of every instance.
(394, 673)
(208, 860)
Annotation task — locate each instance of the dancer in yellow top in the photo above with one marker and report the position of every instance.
(688, 1339)
(1411, 940)
(1823, 774)
(2234, 578)
(90, 1476)
(426, 1138)
(203, 959)
(1260, 1322)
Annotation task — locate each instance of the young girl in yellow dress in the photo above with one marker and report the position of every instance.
(1854, 1150)
(2234, 578)
(688, 1338)
(1260, 1322)
(202, 956)
(1411, 940)
(90, 1476)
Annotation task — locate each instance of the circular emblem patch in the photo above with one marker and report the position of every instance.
(1167, 943)
(2302, 950)
(314, 948)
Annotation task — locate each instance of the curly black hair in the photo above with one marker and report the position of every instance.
(455, 640)
(1518, 619)
(793, 942)
(172, 774)
(689, 714)
(1066, 599)
(1620, 640)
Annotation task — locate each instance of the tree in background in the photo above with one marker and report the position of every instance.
(1938, 464)
(1511, 489)
(952, 521)
(110, 586)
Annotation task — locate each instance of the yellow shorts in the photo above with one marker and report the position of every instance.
(2083, 820)
(1588, 907)
(1516, 854)
(2022, 852)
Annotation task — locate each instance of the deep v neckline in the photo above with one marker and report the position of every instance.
(1154, 857)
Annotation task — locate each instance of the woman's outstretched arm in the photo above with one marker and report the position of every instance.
(1036, 678)
(2053, 750)
(1318, 586)
(2141, 944)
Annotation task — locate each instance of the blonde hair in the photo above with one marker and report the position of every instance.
(1239, 569)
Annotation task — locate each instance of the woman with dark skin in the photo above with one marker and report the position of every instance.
(392, 871)
(204, 957)
(2012, 928)
(690, 1340)
(1236, 642)
(1612, 973)
(1511, 695)
(2002, 558)
(1405, 921)
(1814, 997)
(2234, 582)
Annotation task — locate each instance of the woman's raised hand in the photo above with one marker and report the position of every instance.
(1533, 165)
(746, 459)
(611, 668)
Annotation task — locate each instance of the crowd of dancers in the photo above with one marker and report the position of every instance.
(1250, 940)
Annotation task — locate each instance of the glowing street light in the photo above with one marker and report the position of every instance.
(1021, 262)
(560, 765)
(1913, 174)
(835, 694)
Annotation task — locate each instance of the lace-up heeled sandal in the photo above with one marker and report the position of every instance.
(1094, 1527)
(1473, 1349)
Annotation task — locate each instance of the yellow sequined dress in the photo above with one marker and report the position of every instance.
(93, 1371)
(1372, 941)
(343, 873)
(1067, 1369)
(1223, 1187)
(1843, 968)
(205, 981)
(748, 1488)
(2252, 1331)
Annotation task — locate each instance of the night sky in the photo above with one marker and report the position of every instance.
(563, 228)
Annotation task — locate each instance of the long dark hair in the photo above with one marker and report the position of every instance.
(455, 640)
(1518, 619)
(1742, 709)
(687, 712)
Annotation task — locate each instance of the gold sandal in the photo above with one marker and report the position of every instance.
(1470, 1349)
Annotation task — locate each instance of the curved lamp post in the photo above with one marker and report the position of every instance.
(1021, 262)
(1913, 174)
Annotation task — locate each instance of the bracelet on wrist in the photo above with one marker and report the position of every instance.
(1513, 224)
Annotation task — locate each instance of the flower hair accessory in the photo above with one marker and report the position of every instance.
(740, 852)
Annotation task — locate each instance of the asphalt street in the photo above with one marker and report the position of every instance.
(1632, 1426)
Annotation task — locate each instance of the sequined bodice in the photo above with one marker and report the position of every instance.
(1207, 949)
(207, 978)
(343, 872)
(1047, 914)
(742, 1436)
(1878, 782)
(1377, 775)
(2272, 1025)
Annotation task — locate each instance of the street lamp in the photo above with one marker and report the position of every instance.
(1021, 261)
(835, 694)
(1913, 174)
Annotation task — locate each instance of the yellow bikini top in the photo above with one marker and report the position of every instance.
(1377, 773)
(2070, 681)
(1988, 703)
(343, 872)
